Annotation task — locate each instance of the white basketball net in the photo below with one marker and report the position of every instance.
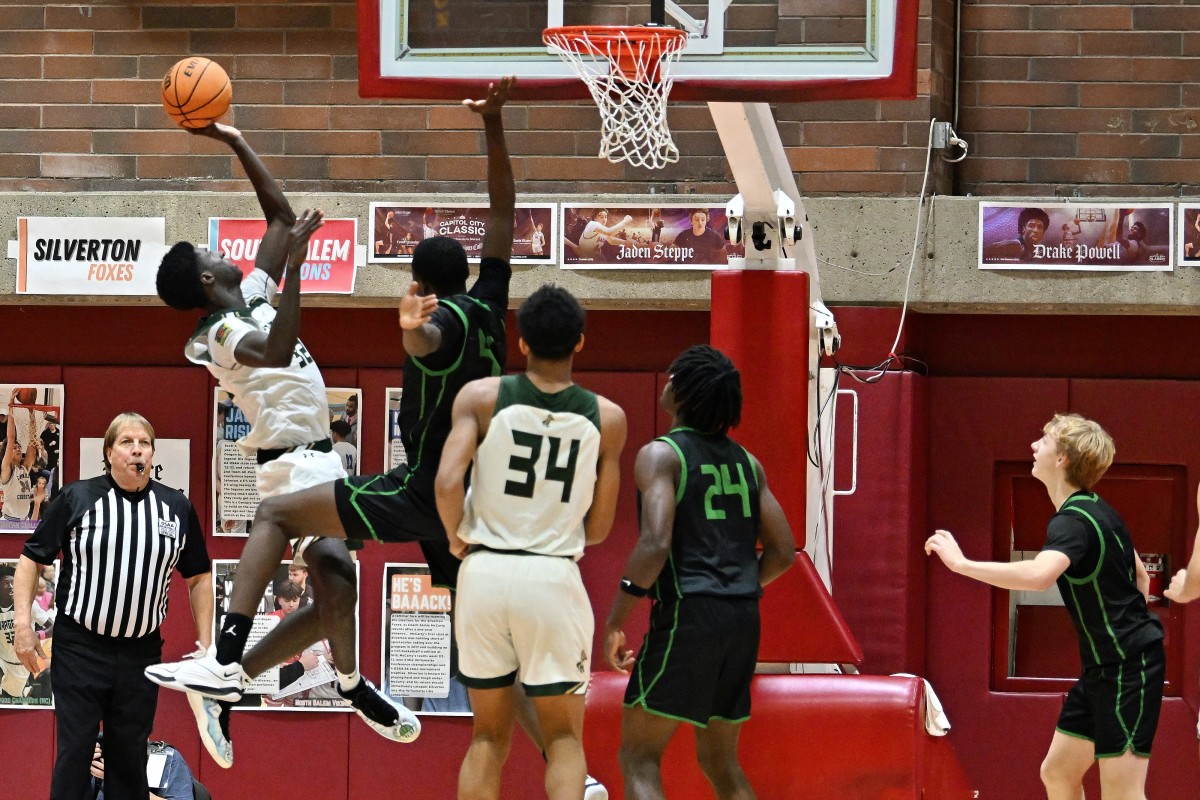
(629, 78)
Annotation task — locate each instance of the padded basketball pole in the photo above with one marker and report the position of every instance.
(768, 215)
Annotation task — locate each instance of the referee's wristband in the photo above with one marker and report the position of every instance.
(631, 588)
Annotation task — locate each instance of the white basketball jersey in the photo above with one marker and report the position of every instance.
(535, 471)
(286, 406)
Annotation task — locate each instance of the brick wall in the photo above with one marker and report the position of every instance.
(1056, 98)
(1061, 98)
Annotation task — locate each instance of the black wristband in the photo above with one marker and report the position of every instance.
(631, 588)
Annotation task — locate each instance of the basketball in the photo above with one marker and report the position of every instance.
(196, 92)
(25, 396)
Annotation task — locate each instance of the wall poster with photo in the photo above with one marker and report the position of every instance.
(417, 642)
(21, 687)
(170, 466)
(306, 681)
(234, 487)
(31, 420)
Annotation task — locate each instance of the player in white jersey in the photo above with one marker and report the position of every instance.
(14, 677)
(15, 481)
(544, 484)
(255, 353)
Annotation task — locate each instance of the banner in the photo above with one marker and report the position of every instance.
(1130, 237)
(646, 237)
(89, 255)
(1189, 235)
(328, 268)
(396, 230)
(417, 640)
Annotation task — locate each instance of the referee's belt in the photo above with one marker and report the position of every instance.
(476, 548)
(323, 446)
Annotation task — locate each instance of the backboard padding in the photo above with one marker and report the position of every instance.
(784, 51)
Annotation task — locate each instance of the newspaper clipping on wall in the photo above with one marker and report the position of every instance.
(31, 424)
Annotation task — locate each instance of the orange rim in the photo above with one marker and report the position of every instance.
(662, 38)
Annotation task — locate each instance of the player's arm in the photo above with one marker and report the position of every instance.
(1036, 575)
(656, 473)
(460, 448)
(614, 229)
(200, 597)
(774, 534)
(613, 431)
(25, 642)
(502, 193)
(276, 348)
(273, 250)
(1185, 584)
(420, 336)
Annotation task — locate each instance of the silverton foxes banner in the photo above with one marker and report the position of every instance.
(328, 267)
(89, 255)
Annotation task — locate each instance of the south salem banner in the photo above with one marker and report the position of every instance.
(328, 266)
(1131, 237)
(89, 255)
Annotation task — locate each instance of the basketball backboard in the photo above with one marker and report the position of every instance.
(737, 50)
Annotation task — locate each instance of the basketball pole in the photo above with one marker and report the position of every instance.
(769, 217)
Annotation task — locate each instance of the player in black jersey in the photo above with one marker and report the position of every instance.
(705, 507)
(1111, 713)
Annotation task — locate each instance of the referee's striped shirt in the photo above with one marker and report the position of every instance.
(118, 549)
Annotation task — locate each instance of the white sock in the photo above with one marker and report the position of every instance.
(348, 682)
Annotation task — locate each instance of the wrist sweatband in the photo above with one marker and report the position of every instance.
(631, 588)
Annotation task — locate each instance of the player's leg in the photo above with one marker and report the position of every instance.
(330, 616)
(1123, 777)
(560, 719)
(491, 737)
(1066, 762)
(716, 750)
(644, 739)
(279, 518)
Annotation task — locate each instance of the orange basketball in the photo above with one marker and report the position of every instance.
(25, 396)
(196, 92)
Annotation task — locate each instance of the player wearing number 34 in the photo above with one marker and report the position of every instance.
(546, 458)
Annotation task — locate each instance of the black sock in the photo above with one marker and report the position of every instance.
(235, 630)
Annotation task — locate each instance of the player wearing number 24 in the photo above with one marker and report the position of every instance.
(705, 507)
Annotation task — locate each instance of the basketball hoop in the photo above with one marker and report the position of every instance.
(628, 71)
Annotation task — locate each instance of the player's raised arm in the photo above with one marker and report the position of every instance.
(502, 193)
(273, 251)
(276, 348)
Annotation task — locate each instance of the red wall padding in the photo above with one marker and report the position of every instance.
(878, 566)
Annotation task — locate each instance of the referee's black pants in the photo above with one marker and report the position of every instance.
(99, 679)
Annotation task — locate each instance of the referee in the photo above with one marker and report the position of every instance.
(120, 536)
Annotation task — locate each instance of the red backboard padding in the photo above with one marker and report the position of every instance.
(760, 320)
(817, 737)
(801, 623)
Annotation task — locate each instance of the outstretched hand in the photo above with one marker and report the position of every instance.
(416, 309)
(1175, 592)
(497, 96)
(219, 131)
(947, 549)
(302, 230)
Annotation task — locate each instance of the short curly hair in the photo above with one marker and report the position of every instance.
(178, 280)
(551, 322)
(441, 263)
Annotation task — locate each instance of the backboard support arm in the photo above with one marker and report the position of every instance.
(768, 215)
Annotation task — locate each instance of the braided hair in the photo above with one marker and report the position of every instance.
(708, 389)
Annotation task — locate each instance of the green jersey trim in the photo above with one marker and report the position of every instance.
(682, 468)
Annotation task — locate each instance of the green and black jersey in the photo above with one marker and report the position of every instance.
(1099, 588)
(715, 536)
(473, 346)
